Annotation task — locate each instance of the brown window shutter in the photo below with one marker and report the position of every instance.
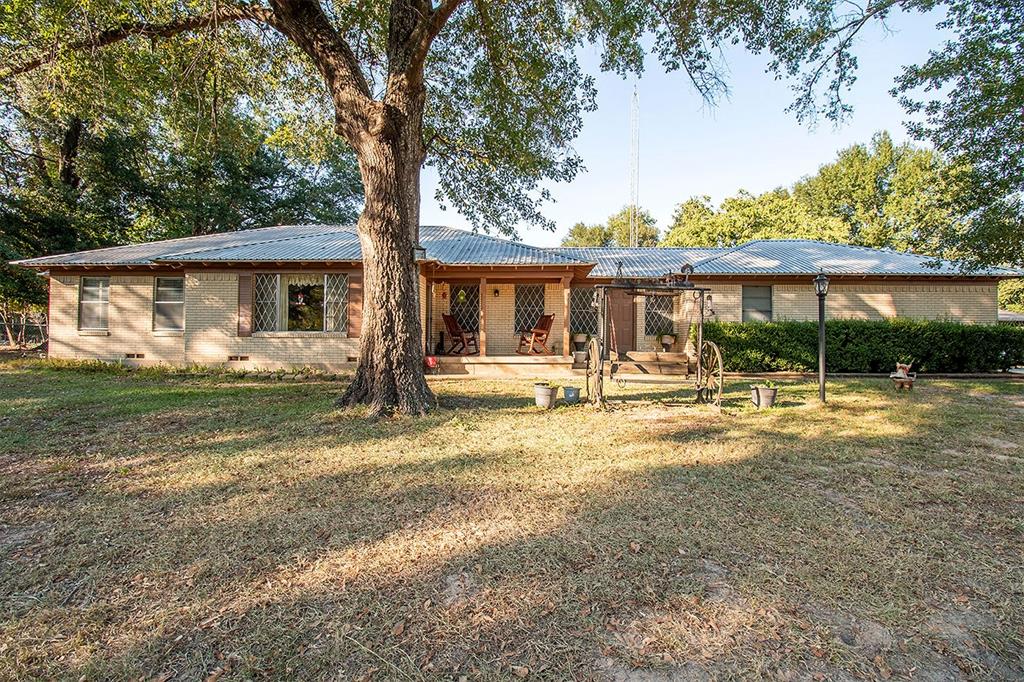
(245, 304)
(355, 304)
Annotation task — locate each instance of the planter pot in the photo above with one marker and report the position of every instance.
(545, 395)
(667, 342)
(571, 394)
(579, 357)
(762, 396)
(579, 341)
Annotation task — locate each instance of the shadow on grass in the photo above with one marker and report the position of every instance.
(434, 548)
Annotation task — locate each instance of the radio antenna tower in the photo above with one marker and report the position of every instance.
(634, 169)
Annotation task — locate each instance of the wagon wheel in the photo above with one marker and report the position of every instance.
(595, 371)
(710, 388)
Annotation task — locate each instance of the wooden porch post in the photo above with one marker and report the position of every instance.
(483, 316)
(566, 291)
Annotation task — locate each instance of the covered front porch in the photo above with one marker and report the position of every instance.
(496, 308)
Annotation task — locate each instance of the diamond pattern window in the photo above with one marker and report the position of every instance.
(657, 315)
(529, 306)
(465, 306)
(335, 303)
(583, 311)
(265, 294)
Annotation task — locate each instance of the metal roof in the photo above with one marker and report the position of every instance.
(805, 256)
(450, 246)
(316, 243)
(147, 253)
(458, 247)
(648, 261)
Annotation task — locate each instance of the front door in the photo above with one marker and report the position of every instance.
(622, 314)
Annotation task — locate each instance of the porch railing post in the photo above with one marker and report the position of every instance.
(565, 315)
(483, 316)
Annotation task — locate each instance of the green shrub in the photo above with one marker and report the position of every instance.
(867, 346)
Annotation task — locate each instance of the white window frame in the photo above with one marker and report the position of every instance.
(103, 302)
(156, 300)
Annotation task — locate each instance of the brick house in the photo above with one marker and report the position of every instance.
(290, 296)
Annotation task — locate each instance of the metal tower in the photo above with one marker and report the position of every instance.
(634, 169)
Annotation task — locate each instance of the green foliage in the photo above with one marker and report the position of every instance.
(1011, 295)
(867, 346)
(879, 195)
(966, 100)
(615, 232)
(77, 174)
(772, 215)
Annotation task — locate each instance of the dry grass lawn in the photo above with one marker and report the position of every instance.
(174, 527)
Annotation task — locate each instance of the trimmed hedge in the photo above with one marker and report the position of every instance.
(868, 346)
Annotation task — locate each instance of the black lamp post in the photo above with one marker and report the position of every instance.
(821, 288)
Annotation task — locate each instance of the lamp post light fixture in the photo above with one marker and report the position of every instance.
(419, 254)
(821, 289)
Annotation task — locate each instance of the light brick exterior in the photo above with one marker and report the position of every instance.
(211, 318)
(971, 303)
(129, 323)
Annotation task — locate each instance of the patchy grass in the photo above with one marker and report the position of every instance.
(174, 526)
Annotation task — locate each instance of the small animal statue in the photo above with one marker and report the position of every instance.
(902, 377)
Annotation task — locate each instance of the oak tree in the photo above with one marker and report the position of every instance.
(490, 92)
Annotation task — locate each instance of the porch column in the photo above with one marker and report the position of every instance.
(566, 291)
(483, 316)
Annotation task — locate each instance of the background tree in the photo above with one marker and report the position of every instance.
(615, 232)
(886, 195)
(490, 93)
(582, 234)
(970, 94)
(879, 195)
(773, 215)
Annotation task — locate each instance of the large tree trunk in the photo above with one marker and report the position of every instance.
(390, 372)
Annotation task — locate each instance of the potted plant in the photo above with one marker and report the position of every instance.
(667, 341)
(763, 395)
(545, 393)
(571, 395)
(579, 339)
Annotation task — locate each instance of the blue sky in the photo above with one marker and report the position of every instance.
(747, 141)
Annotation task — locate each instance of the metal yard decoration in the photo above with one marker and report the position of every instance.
(705, 362)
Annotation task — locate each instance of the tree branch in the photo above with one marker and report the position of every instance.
(168, 29)
(424, 34)
(305, 24)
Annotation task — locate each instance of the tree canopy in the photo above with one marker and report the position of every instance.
(966, 100)
(615, 231)
(880, 195)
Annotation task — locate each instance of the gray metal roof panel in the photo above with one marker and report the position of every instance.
(147, 253)
(646, 261)
(310, 243)
(459, 247)
(804, 256)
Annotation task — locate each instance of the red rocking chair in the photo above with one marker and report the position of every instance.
(461, 339)
(538, 336)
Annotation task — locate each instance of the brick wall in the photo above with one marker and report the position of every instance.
(973, 303)
(211, 318)
(129, 324)
(211, 332)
